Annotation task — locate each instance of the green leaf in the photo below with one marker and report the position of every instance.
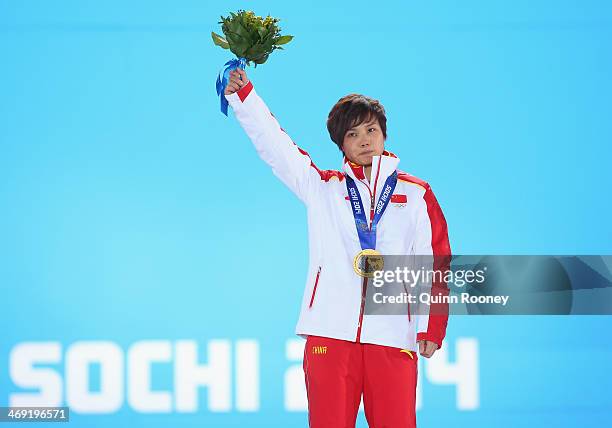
(239, 50)
(283, 40)
(261, 31)
(260, 60)
(236, 40)
(236, 27)
(220, 41)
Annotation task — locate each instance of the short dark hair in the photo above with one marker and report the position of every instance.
(352, 110)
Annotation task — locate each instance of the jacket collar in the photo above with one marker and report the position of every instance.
(382, 167)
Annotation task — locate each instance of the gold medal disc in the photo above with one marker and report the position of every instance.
(368, 261)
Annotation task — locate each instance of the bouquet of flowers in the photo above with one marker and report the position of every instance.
(251, 38)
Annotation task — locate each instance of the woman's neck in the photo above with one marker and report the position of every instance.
(367, 171)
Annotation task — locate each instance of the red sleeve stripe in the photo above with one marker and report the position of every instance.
(245, 91)
(438, 313)
(439, 229)
(403, 176)
(325, 175)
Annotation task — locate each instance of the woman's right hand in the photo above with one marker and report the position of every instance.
(237, 79)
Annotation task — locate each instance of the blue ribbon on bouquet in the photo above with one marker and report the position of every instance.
(223, 78)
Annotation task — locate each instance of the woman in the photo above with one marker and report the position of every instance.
(349, 352)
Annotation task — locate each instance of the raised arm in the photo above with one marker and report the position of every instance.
(289, 163)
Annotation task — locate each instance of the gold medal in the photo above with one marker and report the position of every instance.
(368, 261)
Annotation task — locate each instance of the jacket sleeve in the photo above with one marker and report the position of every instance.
(289, 163)
(432, 245)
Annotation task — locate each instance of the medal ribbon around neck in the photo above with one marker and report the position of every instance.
(367, 235)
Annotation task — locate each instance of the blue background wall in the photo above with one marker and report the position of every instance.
(117, 223)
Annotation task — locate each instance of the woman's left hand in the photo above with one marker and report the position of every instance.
(427, 348)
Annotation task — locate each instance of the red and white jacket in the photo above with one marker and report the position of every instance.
(334, 296)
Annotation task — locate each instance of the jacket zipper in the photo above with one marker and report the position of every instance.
(409, 312)
(314, 290)
(365, 279)
(364, 284)
(406, 290)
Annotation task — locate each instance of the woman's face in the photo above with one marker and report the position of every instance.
(364, 141)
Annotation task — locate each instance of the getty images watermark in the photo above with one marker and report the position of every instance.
(490, 285)
(426, 279)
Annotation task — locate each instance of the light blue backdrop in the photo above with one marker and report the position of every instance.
(132, 210)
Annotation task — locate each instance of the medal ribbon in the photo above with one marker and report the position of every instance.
(223, 78)
(367, 235)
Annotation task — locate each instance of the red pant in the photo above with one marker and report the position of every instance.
(337, 372)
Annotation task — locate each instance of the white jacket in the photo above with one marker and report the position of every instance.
(413, 223)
